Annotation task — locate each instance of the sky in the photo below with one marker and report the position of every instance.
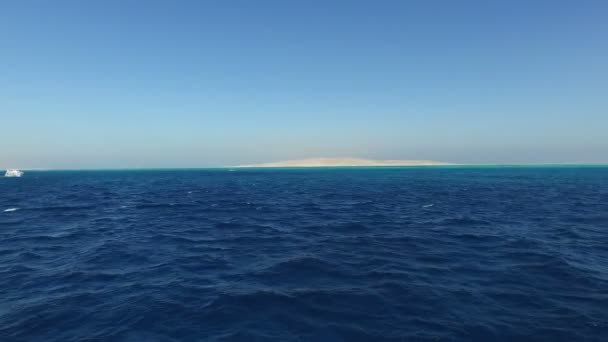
(174, 83)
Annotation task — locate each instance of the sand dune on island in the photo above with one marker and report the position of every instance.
(329, 162)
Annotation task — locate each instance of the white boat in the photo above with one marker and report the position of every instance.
(13, 173)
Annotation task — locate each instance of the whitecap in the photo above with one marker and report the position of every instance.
(10, 209)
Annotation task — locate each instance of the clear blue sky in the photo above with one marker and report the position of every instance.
(125, 83)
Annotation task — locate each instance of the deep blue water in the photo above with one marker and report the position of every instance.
(395, 254)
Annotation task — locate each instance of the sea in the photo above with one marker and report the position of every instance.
(443, 253)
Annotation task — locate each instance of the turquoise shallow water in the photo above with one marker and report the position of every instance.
(454, 253)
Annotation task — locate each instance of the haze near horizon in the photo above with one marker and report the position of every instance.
(104, 84)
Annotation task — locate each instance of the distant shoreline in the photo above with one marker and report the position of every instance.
(344, 162)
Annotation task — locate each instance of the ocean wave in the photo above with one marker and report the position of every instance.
(462, 221)
(164, 205)
(62, 208)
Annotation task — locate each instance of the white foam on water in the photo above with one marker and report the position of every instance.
(10, 209)
(428, 205)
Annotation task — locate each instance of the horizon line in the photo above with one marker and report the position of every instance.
(307, 167)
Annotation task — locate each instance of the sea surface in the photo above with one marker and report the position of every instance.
(351, 254)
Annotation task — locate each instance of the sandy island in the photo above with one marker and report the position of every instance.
(329, 162)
